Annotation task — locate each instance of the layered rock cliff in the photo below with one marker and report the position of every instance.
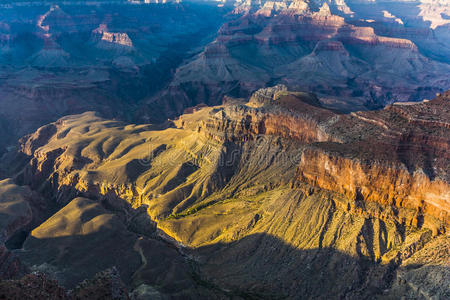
(395, 162)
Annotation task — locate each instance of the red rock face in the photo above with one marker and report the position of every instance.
(394, 165)
(286, 28)
(250, 124)
(290, 28)
(247, 122)
(397, 157)
(330, 46)
(388, 185)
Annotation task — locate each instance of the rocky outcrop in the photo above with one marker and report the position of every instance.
(32, 286)
(119, 38)
(106, 284)
(249, 121)
(389, 185)
(406, 168)
(10, 265)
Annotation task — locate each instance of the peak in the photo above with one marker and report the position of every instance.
(299, 6)
(280, 97)
(266, 95)
(324, 10)
(118, 38)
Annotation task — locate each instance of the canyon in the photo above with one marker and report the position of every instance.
(72, 57)
(145, 62)
(243, 200)
(225, 149)
(351, 64)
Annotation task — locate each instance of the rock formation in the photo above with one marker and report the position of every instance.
(64, 59)
(224, 150)
(118, 38)
(284, 42)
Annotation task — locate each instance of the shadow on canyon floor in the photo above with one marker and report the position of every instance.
(264, 266)
(258, 266)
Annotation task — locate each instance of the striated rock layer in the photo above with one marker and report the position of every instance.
(400, 159)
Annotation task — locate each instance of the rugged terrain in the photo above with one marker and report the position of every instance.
(146, 61)
(353, 60)
(224, 150)
(104, 56)
(270, 197)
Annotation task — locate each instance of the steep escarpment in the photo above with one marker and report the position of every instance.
(400, 163)
(248, 199)
(390, 184)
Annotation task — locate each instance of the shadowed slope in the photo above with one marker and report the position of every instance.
(84, 238)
